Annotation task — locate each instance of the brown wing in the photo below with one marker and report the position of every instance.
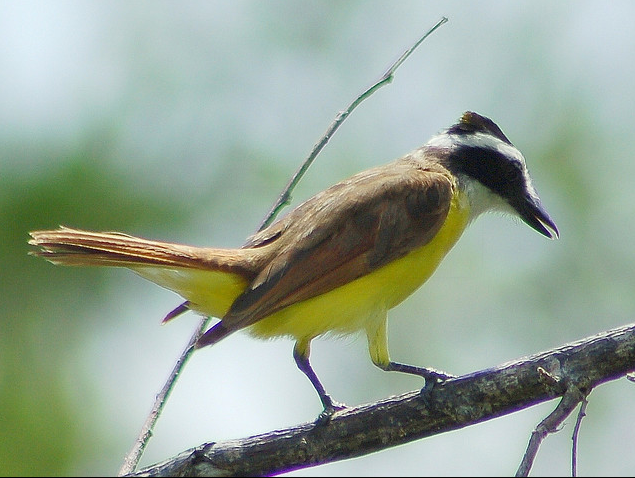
(343, 233)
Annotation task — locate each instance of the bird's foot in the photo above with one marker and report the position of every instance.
(329, 410)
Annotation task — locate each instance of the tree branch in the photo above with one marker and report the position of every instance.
(455, 404)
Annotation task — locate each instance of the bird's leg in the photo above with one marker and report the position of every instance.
(378, 349)
(301, 356)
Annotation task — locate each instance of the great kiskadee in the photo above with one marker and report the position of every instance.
(339, 261)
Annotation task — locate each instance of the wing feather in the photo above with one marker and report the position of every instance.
(343, 233)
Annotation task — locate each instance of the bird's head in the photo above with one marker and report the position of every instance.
(491, 171)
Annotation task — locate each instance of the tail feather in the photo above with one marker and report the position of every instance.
(209, 279)
(74, 247)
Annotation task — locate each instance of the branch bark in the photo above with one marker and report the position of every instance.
(455, 404)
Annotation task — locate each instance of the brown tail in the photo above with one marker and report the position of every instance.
(209, 279)
(74, 247)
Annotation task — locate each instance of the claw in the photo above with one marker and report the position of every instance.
(433, 378)
(325, 416)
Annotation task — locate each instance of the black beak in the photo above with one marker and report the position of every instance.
(531, 211)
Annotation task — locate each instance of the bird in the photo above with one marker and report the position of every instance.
(339, 261)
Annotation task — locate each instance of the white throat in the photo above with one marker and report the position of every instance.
(482, 199)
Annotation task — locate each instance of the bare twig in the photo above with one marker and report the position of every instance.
(134, 455)
(455, 404)
(387, 77)
(131, 460)
(576, 431)
(551, 424)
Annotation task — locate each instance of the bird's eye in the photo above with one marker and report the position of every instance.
(512, 174)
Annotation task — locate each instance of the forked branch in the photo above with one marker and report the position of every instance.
(570, 371)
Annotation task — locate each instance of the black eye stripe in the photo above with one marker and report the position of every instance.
(488, 166)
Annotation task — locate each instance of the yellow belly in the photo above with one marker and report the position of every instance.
(349, 307)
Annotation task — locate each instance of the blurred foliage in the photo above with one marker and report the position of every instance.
(38, 329)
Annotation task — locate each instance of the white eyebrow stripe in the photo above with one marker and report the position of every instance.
(477, 140)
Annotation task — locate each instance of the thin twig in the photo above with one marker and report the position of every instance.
(576, 431)
(131, 460)
(571, 398)
(387, 77)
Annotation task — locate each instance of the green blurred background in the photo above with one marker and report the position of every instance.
(181, 121)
